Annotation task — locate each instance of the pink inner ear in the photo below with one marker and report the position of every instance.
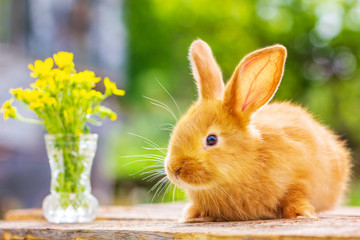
(253, 92)
(247, 104)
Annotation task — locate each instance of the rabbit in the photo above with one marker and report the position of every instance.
(239, 158)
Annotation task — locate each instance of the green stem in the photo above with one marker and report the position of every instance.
(28, 120)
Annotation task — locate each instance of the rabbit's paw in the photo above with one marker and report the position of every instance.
(307, 214)
(184, 219)
(191, 215)
(296, 205)
(304, 210)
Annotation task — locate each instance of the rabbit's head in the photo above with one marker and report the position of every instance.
(215, 142)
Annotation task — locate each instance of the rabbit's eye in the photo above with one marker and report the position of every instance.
(211, 140)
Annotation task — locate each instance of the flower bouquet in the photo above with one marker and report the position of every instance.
(65, 102)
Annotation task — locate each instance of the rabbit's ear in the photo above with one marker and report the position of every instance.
(255, 80)
(206, 71)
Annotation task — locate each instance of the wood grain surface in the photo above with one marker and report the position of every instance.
(159, 221)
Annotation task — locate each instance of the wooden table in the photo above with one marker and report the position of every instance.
(158, 221)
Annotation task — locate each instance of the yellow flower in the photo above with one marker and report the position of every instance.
(61, 91)
(94, 94)
(75, 92)
(39, 84)
(60, 75)
(10, 112)
(28, 96)
(64, 59)
(36, 105)
(111, 88)
(106, 112)
(41, 68)
(113, 117)
(78, 132)
(24, 95)
(119, 92)
(52, 86)
(85, 77)
(83, 93)
(16, 92)
(6, 105)
(51, 101)
(67, 115)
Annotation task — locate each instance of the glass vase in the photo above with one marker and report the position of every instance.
(71, 158)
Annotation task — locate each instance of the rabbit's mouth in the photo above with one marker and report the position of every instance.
(187, 175)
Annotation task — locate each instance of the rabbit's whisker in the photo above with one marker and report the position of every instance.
(233, 203)
(145, 168)
(155, 156)
(216, 203)
(148, 141)
(159, 185)
(141, 160)
(153, 177)
(152, 148)
(153, 171)
(168, 124)
(167, 129)
(175, 190)
(177, 106)
(168, 183)
(158, 170)
(162, 105)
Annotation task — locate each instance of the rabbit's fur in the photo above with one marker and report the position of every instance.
(270, 160)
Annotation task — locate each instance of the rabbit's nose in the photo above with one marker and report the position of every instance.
(177, 172)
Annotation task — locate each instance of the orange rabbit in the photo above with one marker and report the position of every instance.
(240, 159)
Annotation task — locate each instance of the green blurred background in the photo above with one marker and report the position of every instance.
(322, 70)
